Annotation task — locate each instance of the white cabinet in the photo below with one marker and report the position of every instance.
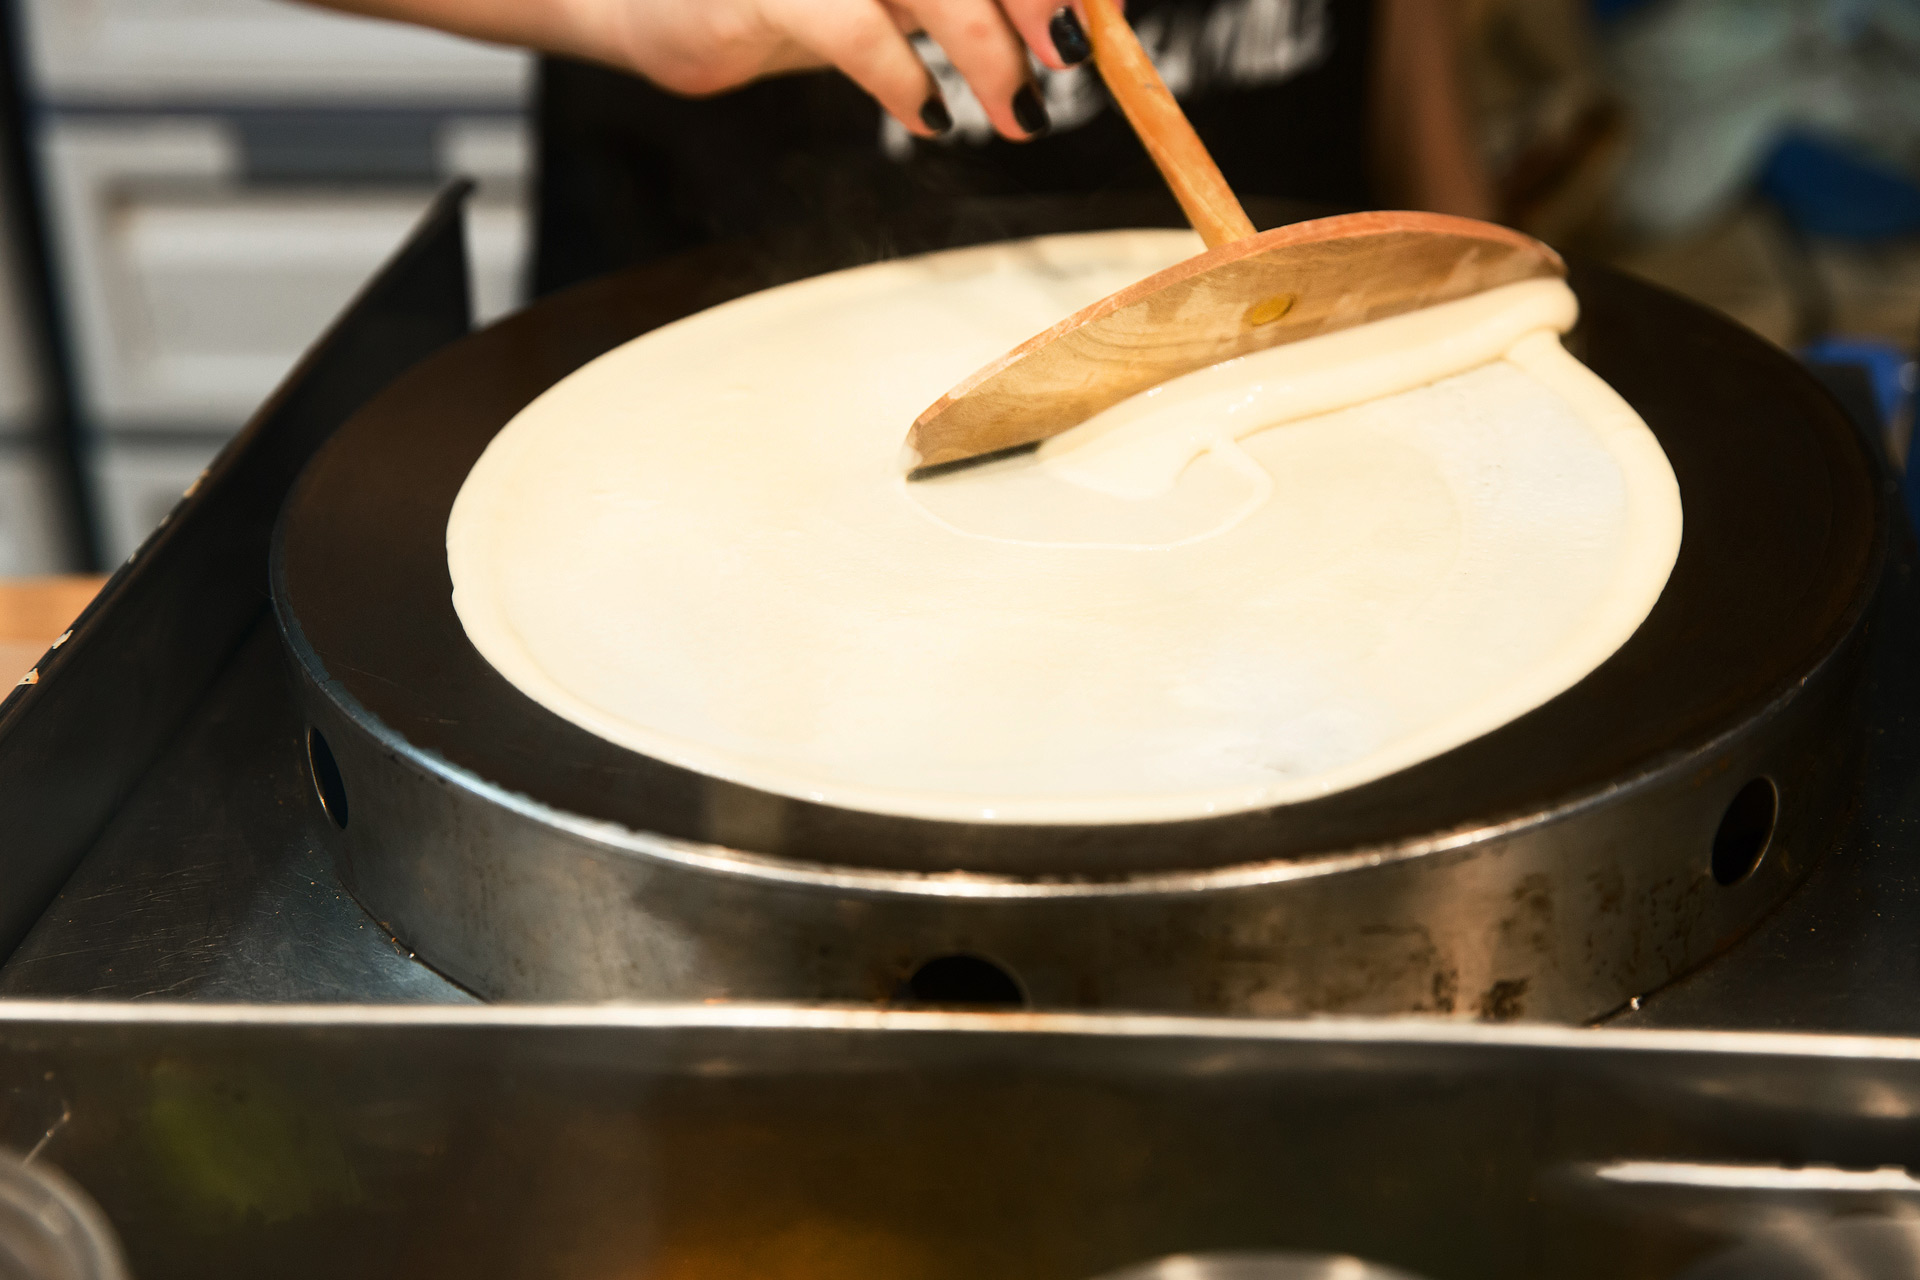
(141, 51)
(32, 537)
(138, 482)
(222, 177)
(194, 290)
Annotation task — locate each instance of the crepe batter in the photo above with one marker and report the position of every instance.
(1263, 582)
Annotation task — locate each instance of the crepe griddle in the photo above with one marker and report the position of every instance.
(1581, 855)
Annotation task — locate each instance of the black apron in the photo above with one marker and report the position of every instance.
(630, 173)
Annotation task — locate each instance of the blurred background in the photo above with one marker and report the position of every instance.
(195, 188)
(191, 189)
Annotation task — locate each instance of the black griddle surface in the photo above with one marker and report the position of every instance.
(1781, 547)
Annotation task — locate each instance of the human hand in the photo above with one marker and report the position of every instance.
(701, 47)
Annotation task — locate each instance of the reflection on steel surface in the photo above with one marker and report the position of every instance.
(1261, 1266)
(1869, 1249)
(1759, 1177)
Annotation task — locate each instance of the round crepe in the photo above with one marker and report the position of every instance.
(1228, 594)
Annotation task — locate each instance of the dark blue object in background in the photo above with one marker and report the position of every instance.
(1888, 368)
(1827, 188)
(1874, 380)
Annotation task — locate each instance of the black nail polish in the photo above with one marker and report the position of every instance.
(1030, 112)
(1069, 37)
(934, 114)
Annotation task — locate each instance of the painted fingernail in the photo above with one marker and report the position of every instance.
(1069, 37)
(934, 114)
(1030, 112)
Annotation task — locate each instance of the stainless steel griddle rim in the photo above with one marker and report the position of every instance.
(850, 1020)
(723, 860)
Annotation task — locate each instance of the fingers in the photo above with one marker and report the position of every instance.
(1052, 29)
(983, 46)
(864, 39)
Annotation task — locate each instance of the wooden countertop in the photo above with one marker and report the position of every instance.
(33, 612)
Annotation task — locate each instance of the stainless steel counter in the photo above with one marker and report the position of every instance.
(801, 1144)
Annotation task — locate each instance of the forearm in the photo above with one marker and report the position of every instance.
(553, 26)
(700, 47)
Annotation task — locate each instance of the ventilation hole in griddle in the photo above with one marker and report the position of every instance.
(962, 980)
(1745, 830)
(327, 782)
